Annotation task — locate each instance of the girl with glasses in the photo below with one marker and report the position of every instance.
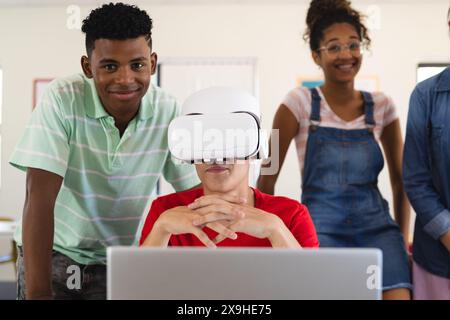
(338, 132)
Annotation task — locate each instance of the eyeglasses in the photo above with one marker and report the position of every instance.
(334, 49)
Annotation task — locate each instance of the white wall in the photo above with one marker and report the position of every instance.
(34, 42)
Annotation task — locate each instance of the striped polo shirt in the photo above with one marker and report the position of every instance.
(108, 180)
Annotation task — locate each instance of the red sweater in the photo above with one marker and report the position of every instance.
(294, 215)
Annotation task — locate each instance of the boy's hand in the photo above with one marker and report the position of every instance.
(179, 220)
(254, 222)
(223, 209)
(208, 200)
(237, 216)
(218, 208)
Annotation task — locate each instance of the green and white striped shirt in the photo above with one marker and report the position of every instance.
(108, 179)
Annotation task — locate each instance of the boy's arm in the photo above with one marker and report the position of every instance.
(158, 237)
(281, 236)
(42, 188)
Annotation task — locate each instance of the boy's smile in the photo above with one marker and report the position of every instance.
(122, 71)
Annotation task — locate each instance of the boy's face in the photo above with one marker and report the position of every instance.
(122, 71)
(223, 178)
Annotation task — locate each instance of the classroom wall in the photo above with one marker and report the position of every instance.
(36, 43)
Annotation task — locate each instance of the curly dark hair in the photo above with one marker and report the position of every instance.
(324, 13)
(116, 22)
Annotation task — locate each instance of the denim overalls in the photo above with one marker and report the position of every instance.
(340, 189)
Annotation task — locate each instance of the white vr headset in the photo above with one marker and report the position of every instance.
(218, 124)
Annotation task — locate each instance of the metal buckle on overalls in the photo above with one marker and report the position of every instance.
(313, 124)
(370, 127)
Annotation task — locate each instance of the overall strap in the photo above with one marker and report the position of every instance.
(314, 118)
(368, 110)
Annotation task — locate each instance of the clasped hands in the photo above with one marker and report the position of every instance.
(225, 214)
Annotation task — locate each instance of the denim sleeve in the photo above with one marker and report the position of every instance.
(417, 175)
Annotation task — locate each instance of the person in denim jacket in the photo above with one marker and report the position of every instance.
(426, 170)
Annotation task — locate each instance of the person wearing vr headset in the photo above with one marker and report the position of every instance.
(225, 211)
(93, 152)
(337, 131)
(426, 169)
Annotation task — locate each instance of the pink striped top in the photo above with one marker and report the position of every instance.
(298, 100)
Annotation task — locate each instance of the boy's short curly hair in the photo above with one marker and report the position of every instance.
(116, 22)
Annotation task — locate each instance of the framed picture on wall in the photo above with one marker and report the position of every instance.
(309, 82)
(39, 86)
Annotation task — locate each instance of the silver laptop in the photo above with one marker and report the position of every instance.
(243, 273)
